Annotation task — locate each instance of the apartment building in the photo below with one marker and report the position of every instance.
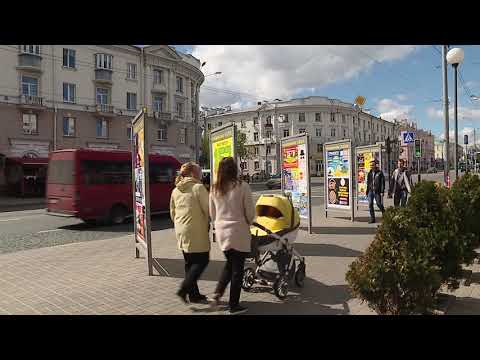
(84, 96)
(323, 118)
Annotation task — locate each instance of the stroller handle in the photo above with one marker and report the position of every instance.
(261, 227)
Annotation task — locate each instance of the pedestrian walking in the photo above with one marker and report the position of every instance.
(400, 185)
(189, 212)
(232, 211)
(375, 189)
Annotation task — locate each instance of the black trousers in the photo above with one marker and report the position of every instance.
(195, 264)
(232, 273)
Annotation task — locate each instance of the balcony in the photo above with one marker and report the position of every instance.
(162, 118)
(31, 62)
(268, 126)
(31, 102)
(105, 110)
(103, 76)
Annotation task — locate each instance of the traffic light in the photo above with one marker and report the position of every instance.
(418, 148)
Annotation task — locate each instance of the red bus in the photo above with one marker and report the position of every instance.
(97, 185)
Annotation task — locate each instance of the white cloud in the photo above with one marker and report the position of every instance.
(274, 71)
(390, 109)
(401, 97)
(463, 112)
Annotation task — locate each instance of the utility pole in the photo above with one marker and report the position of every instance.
(446, 170)
(197, 87)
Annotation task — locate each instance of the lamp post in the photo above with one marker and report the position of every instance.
(455, 57)
(446, 167)
(196, 113)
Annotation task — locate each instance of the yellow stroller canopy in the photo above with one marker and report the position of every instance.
(276, 214)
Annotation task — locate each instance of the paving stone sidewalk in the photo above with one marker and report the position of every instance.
(103, 277)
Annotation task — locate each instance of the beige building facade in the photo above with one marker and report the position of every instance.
(56, 97)
(322, 118)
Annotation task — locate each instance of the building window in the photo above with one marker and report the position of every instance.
(103, 61)
(219, 123)
(343, 119)
(68, 126)
(301, 131)
(30, 123)
(68, 93)
(180, 109)
(131, 101)
(268, 150)
(102, 128)
(209, 126)
(318, 117)
(69, 58)
(255, 121)
(102, 96)
(286, 132)
(344, 133)
(301, 117)
(192, 90)
(332, 117)
(129, 133)
(183, 136)
(30, 49)
(318, 132)
(29, 86)
(157, 103)
(268, 134)
(332, 132)
(157, 76)
(131, 71)
(255, 136)
(269, 120)
(285, 117)
(257, 165)
(179, 84)
(319, 148)
(256, 150)
(242, 123)
(162, 134)
(244, 165)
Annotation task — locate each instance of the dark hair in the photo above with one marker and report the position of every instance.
(226, 176)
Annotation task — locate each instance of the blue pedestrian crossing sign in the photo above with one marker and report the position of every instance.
(408, 137)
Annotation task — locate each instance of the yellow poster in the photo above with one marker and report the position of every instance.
(221, 149)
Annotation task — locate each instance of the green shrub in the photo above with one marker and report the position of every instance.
(396, 274)
(465, 204)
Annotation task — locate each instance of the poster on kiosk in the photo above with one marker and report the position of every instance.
(222, 144)
(338, 179)
(296, 174)
(364, 156)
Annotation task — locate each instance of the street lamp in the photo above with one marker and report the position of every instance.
(215, 73)
(455, 57)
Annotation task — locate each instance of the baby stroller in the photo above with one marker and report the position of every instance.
(273, 233)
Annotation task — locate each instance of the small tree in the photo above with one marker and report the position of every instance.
(205, 158)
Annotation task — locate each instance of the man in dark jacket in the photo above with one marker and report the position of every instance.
(375, 189)
(400, 185)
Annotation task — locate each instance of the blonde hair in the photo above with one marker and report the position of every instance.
(187, 170)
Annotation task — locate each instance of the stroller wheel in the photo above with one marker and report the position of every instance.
(280, 287)
(300, 275)
(248, 279)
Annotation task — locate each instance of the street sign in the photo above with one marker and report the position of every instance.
(408, 137)
(418, 148)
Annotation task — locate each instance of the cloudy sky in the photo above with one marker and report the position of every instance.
(397, 81)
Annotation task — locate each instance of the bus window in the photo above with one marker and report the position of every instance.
(97, 172)
(61, 172)
(161, 174)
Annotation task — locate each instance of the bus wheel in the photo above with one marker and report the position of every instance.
(118, 214)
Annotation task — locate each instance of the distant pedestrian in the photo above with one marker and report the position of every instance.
(400, 185)
(375, 189)
(232, 211)
(189, 212)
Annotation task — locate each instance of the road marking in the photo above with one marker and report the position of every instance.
(45, 231)
(14, 219)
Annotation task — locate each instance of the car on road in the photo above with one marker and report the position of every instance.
(431, 170)
(274, 182)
